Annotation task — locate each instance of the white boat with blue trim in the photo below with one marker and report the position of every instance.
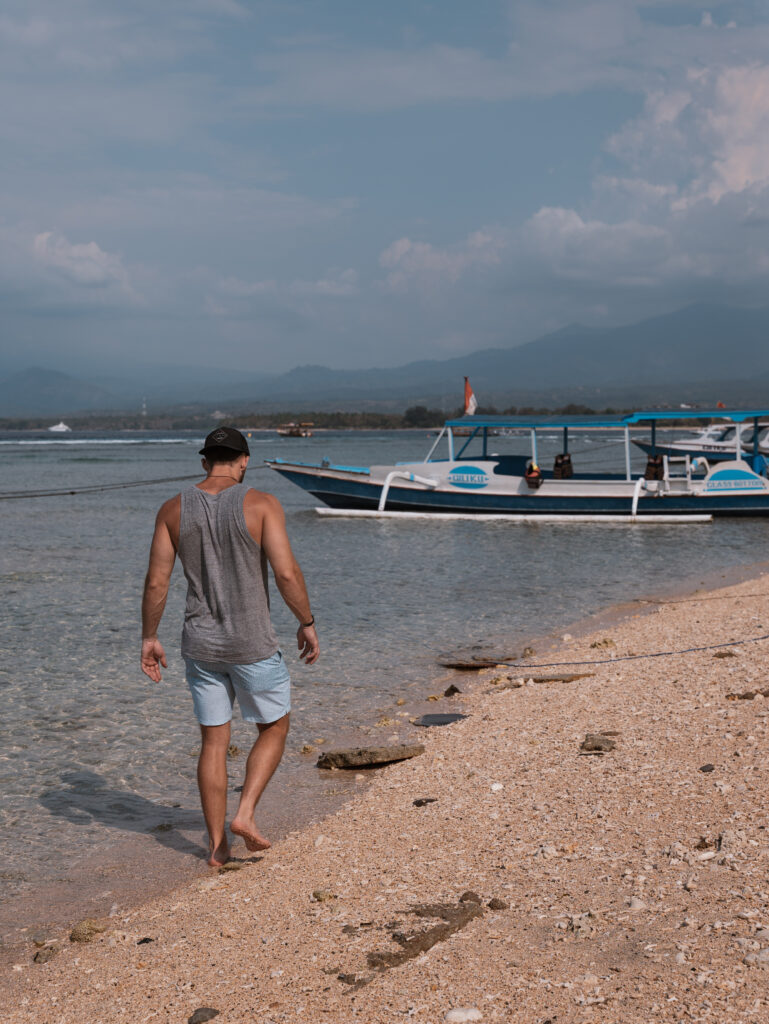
(716, 443)
(469, 480)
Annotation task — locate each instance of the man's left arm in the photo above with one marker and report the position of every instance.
(162, 558)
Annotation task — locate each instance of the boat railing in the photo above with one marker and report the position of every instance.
(677, 472)
(399, 474)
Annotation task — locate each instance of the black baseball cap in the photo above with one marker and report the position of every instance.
(226, 437)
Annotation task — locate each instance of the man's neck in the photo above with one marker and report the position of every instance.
(218, 481)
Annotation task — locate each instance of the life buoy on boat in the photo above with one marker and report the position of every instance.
(562, 467)
(533, 475)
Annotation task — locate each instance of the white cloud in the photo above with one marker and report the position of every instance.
(588, 250)
(83, 264)
(739, 122)
(711, 138)
(422, 264)
(688, 220)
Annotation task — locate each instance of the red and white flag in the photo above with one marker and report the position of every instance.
(470, 401)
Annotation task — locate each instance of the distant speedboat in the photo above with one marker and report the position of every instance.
(295, 429)
(60, 428)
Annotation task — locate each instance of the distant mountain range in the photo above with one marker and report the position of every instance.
(699, 354)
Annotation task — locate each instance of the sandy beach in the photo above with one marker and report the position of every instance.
(533, 881)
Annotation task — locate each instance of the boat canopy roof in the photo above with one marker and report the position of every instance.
(643, 416)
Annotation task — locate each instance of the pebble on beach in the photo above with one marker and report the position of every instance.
(597, 743)
(86, 930)
(202, 1014)
(497, 904)
(462, 1014)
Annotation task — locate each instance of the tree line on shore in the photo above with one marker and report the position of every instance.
(416, 416)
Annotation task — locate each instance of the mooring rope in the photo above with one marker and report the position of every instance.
(637, 657)
(12, 495)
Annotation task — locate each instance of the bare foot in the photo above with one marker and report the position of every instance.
(248, 831)
(219, 856)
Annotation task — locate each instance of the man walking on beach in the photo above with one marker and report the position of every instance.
(225, 533)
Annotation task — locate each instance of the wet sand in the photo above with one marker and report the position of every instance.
(629, 885)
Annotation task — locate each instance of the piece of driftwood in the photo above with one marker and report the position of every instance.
(367, 757)
(515, 684)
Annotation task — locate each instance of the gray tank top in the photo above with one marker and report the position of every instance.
(227, 617)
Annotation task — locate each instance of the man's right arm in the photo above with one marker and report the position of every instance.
(162, 558)
(288, 576)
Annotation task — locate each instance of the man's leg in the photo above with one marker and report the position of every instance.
(212, 782)
(262, 761)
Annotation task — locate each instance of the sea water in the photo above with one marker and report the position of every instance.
(94, 757)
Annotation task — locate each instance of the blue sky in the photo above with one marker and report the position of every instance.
(270, 184)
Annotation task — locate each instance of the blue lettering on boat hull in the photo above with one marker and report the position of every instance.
(470, 478)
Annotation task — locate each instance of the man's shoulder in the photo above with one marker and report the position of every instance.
(261, 499)
(170, 510)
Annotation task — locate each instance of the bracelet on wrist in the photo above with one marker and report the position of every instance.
(306, 625)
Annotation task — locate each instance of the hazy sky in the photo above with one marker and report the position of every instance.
(264, 184)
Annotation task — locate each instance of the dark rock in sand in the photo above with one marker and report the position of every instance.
(438, 719)
(202, 1014)
(231, 865)
(364, 757)
(498, 904)
(748, 695)
(86, 930)
(451, 918)
(45, 954)
(450, 691)
(596, 743)
(424, 800)
(724, 654)
(707, 768)
(144, 941)
(470, 897)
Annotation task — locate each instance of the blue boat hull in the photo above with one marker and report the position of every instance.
(363, 494)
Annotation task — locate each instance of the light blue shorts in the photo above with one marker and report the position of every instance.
(263, 690)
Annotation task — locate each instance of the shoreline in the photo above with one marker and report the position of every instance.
(97, 889)
(374, 835)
